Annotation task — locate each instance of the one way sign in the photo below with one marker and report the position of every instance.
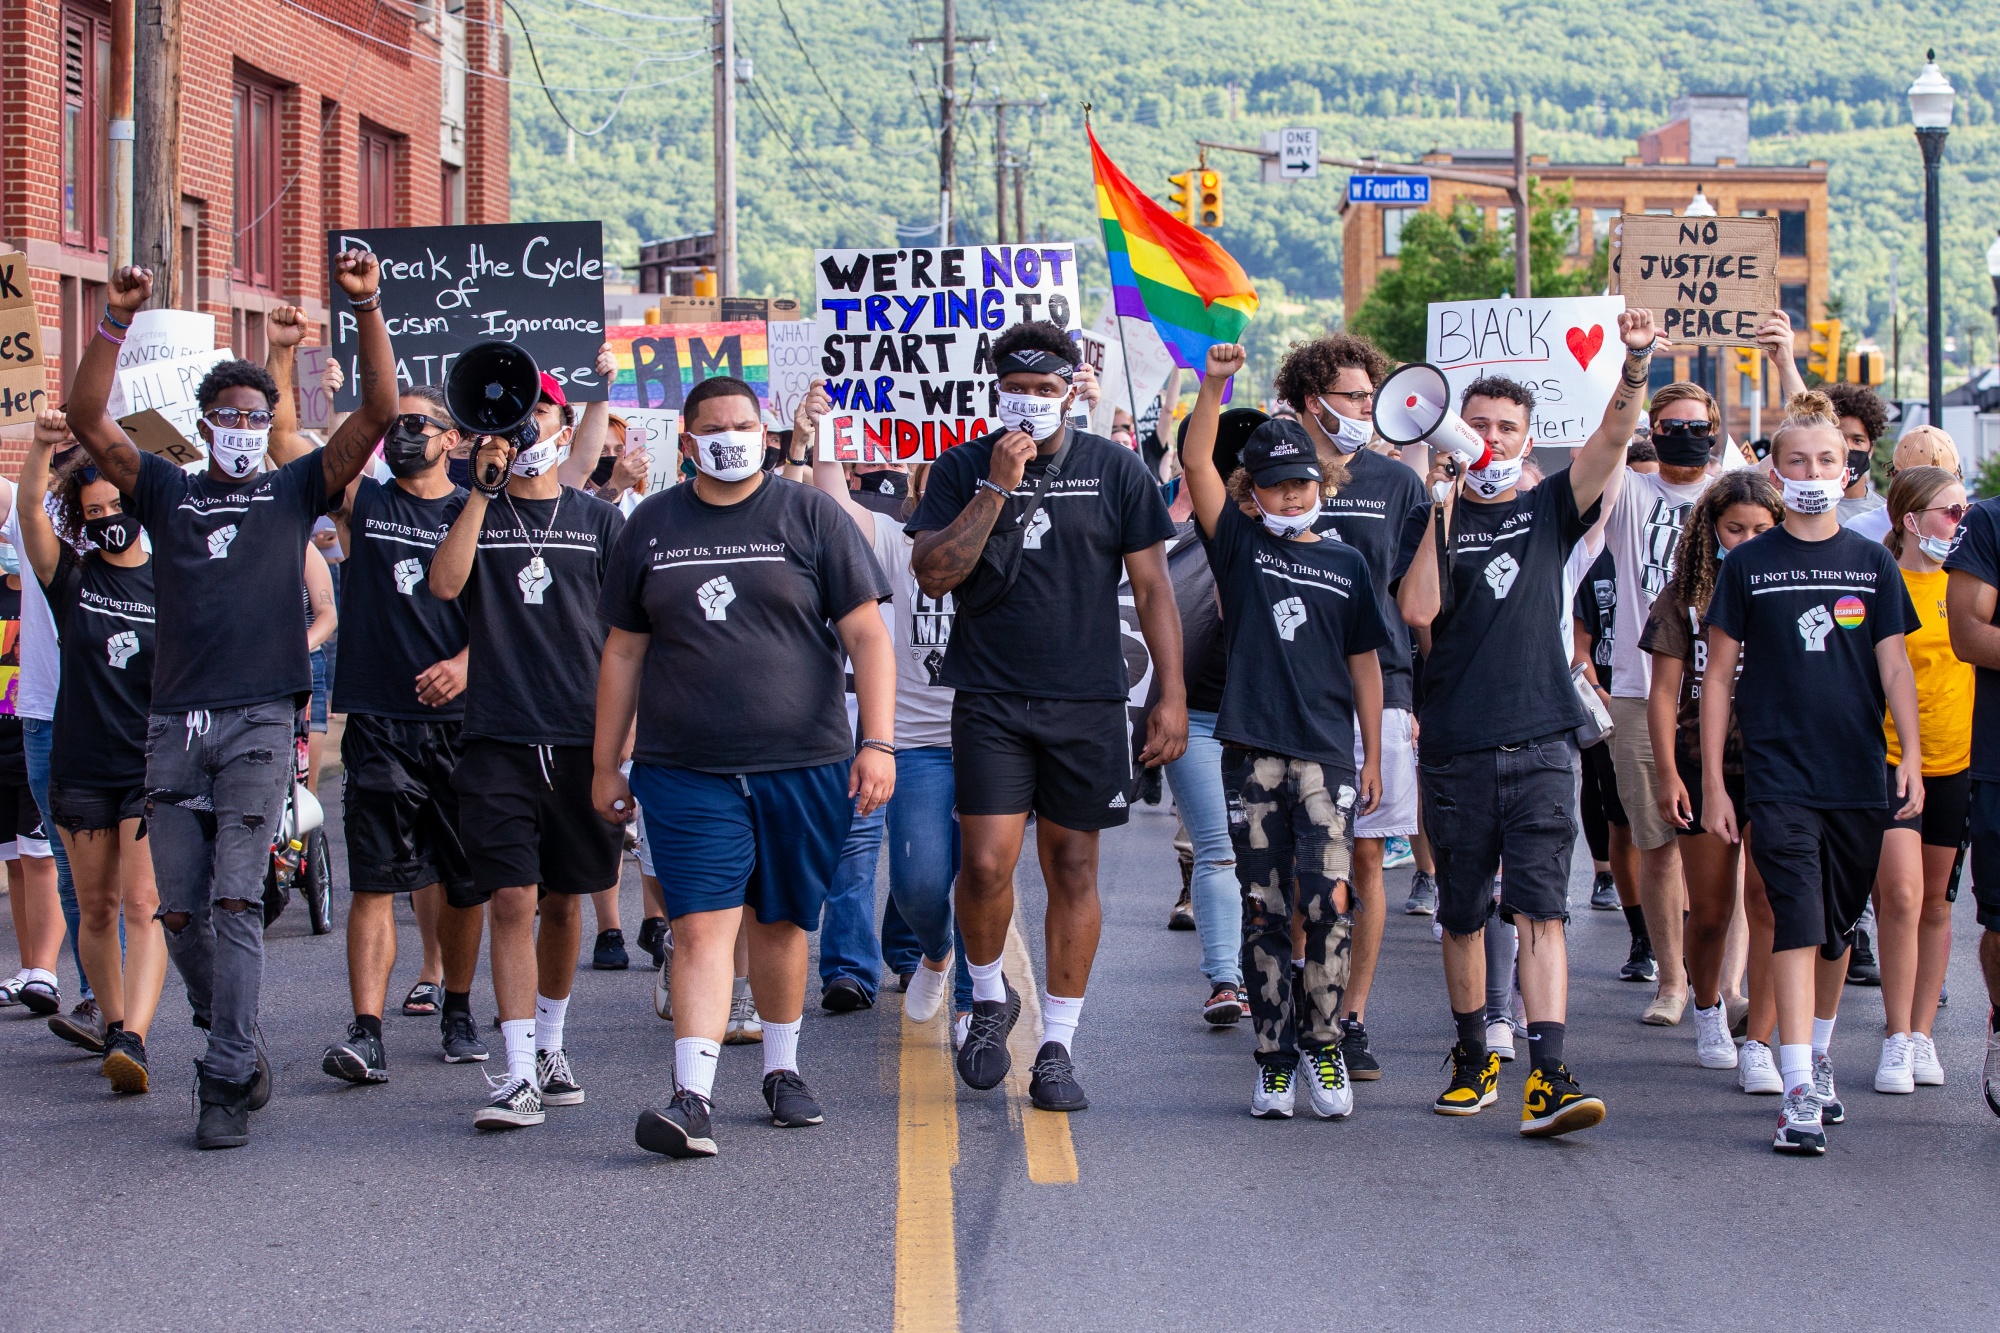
(1298, 154)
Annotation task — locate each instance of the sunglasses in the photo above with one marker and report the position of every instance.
(1683, 430)
(419, 420)
(1953, 512)
(230, 418)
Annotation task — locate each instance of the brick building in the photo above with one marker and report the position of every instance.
(297, 116)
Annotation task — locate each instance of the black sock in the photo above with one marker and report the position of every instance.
(458, 1001)
(1353, 1020)
(1635, 919)
(110, 1028)
(1993, 1020)
(1545, 1045)
(371, 1024)
(1471, 1030)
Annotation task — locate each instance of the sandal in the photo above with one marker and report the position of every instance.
(10, 990)
(41, 997)
(425, 999)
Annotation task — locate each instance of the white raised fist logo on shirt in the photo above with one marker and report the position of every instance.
(218, 542)
(121, 647)
(1290, 614)
(1501, 572)
(409, 573)
(1031, 540)
(534, 582)
(715, 597)
(1814, 626)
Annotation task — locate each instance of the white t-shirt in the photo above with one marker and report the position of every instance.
(1872, 524)
(41, 658)
(921, 631)
(1581, 557)
(1643, 532)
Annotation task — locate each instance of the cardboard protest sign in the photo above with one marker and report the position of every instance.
(1564, 348)
(1708, 281)
(24, 388)
(659, 363)
(905, 339)
(536, 284)
(154, 434)
(167, 387)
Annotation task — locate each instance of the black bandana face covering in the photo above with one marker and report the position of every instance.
(1034, 361)
(1682, 443)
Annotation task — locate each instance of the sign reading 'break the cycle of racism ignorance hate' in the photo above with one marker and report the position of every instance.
(905, 341)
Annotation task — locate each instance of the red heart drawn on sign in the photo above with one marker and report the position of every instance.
(1583, 346)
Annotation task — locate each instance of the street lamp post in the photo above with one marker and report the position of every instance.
(1931, 100)
(1700, 207)
(1993, 271)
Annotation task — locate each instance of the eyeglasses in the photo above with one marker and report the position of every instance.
(1683, 430)
(1354, 399)
(419, 420)
(1953, 512)
(230, 418)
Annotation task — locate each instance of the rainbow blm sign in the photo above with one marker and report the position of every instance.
(659, 363)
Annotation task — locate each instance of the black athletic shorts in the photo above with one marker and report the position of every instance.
(524, 816)
(1818, 868)
(1068, 760)
(21, 821)
(1947, 808)
(90, 809)
(399, 807)
(1690, 770)
(1985, 865)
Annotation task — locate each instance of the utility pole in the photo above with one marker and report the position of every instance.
(156, 111)
(725, 148)
(998, 106)
(121, 133)
(1521, 219)
(948, 42)
(1020, 201)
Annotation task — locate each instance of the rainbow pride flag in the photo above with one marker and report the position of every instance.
(1164, 271)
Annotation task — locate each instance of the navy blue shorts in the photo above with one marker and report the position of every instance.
(768, 841)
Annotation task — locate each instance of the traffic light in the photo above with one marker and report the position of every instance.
(1211, 199)
(1182, 200)
(1823, 351)
(1750, 365)
(1866, 365)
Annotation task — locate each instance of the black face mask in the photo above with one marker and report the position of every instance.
(1682, 447)
(886, 483)
(601, 474)
(1857, 465)
(112, 532)
(407, 452)
(460, 472)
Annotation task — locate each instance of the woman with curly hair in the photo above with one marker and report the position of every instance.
(1737, 506)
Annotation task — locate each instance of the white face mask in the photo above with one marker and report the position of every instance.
(1499, 475)
(730, 455)
(1937, 548)
(237, 452)
(536, 459)
(1039, 417)
(1348, 435)
(1815, 495)
(1284, 525)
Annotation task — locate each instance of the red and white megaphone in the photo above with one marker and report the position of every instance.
(1413, 406)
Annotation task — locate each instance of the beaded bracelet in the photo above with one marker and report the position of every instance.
(372, 303)
(882, 746)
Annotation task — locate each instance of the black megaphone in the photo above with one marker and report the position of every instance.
(492, 389)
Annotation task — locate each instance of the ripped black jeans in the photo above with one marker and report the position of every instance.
(215, 788)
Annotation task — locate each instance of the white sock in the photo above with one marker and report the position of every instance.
(694, 1064)
(1059, 1018)
(24, 975)
(781, 1045)
(1822, 1035)
(519, 1035)
(987, 984)
(549, 1016)
(1795, 1067)
(39, 974)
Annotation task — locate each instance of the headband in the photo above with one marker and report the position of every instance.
(1034, 361)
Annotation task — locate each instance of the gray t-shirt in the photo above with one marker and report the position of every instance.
(922, 632)
(1642, 534)
(1847, 509)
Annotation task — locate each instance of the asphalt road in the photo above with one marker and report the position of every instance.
(1164, 1206)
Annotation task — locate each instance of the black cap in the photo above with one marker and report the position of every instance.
(1279, 450)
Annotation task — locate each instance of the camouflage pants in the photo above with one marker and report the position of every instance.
(1294, 840)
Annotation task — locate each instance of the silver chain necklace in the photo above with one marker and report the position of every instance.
(537, 567)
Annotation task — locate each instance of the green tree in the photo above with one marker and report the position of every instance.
(1457, 257)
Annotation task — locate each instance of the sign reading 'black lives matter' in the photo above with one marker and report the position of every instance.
(537, 284)
(905, 340)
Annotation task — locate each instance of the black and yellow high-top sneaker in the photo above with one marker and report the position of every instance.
(1553, 1104)
(1475, 1082)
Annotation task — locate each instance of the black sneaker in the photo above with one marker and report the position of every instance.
(1604, 893)
(1224, 1007)
(1423, 899)
(610, 955)
(1475, 1082)
(653, 939)
(682, 1130)
(359, 1059)
(558, 1083)
(224, 1119)
(125, 1061)
(791, 1102)
(462, 1045)
(1362, 1066)
(982, 1058)
(82, 1026)
(1552, 1104)
(1639, 963)
(1862, 970)
(1053, 1085)
(844, 996)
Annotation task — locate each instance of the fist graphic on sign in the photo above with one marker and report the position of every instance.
(409, 573)
(1501, 573)
(1814, 626)
(1290, 614)
(715, 597)
(121, 647)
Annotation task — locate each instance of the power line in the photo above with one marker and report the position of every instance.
(549, 93)
(325, 123)
(806, 167)
(840, 110)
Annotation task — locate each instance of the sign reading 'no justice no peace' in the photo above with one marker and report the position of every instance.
(905, 341)
(1708, 281)
(539, 285)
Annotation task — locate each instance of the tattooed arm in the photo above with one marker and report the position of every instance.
(944, 559)
(1604, 453)
(347, 452)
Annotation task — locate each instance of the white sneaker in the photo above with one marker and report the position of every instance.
(1712, 1043)
(1326, 1083)
(1275, 1093)
(1893, 1072)
(663, 996)
(1924, 1066)
(1801, 1127)
(960, 1026)
(1757, 1072)
(1989, 1076)
(744, 1025)
(925, 996)
(1500, 1039)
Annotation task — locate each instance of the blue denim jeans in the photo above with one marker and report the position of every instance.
(923, 860)
(1196, 780)
(37, 738)
(847, 946)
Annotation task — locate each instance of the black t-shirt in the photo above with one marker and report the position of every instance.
(1056, 635)
(1977, 552)
(1497, 673)
(391, 628)
(104, 616)
(13, 753)
(1367, 513)
(744, 671)
(1204, 655)
(1293, 613)
(1809, 615)
(1674, 630)
(228, 565)
(1596, 605)
(531, 678)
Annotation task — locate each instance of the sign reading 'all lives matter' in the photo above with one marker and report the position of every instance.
(1708, 281)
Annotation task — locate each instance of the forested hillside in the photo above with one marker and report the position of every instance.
(837, 127)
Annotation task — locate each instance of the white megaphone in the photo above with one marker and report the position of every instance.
(1413, 406)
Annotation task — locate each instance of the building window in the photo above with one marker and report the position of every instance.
(255, 260)
(375, 164)
(1791, 233)
(1602, 220)
(451, 196)
(1573, 219)
(86, 169)
(1792, 300)
(1392, 230)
